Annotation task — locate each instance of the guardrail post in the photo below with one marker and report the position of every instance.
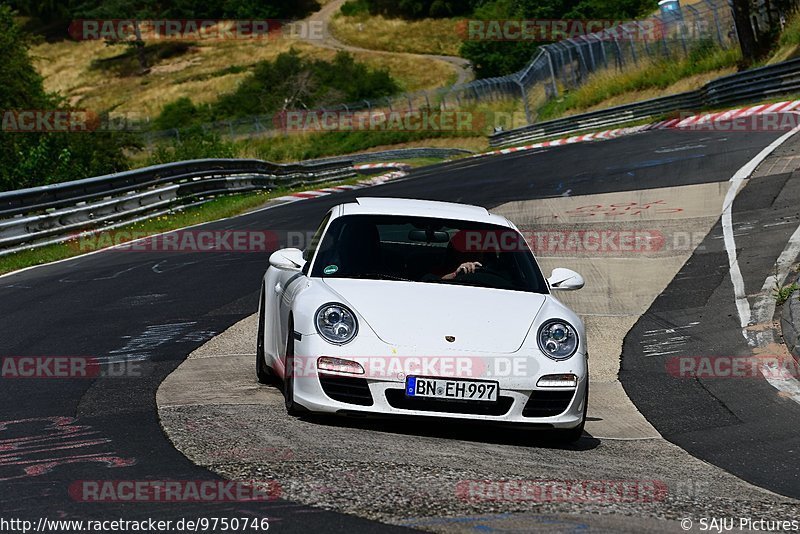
(552, 75)
(584, 65)
(525, 102)
(619, 61)
(572, 66)
(602, 41)
(716, 23)
(563, 64)
(644, 38)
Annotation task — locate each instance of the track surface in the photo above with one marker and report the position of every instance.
(158, 307)
(743, 425)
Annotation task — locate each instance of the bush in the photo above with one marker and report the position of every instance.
(352, 8)
(289, 82)
(192, 143)
(417, 9)
(31, 159)
(181, 113)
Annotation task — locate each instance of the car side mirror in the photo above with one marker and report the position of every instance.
(287, 259)
(565, 280)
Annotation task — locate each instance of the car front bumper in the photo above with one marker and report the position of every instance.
(520, 401)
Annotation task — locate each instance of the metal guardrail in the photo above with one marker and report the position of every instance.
(29, 216)
(751, 85)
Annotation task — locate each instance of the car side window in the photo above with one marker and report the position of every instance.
(311, 249)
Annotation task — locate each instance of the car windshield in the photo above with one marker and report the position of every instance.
(428, 250)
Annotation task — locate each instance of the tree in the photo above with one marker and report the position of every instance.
(744, 29)
(31, 158)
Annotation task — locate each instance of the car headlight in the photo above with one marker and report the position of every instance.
(558, 339)
(336, 323)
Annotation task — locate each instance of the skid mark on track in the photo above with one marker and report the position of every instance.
(101, 278)
(140, 347)
(663, 341)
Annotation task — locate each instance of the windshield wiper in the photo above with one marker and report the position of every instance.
(382, 276)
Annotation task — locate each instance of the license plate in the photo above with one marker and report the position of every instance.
(446, 388)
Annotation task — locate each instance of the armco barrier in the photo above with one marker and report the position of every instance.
(752, 85)
(28, 216)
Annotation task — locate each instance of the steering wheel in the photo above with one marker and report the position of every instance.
(483, 276)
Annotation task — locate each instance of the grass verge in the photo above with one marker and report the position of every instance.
(648, 80)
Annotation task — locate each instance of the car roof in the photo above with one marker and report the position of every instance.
(421, 208)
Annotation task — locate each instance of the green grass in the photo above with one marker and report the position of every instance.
(791, 32)
(298, 147)
(782, 294)
(605, 85)
(215, 209)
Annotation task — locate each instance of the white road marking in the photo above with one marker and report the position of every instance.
(764, 307)
(678, 149)
(140, 347)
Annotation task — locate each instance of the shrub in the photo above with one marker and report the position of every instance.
(192, 143)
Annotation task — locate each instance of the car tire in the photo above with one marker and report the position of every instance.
(292, 408)
(263, 372)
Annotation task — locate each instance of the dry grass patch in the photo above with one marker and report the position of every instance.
(202, 73)
(411, 73)
(427, 36)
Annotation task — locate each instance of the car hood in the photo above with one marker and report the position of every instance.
(420, 315)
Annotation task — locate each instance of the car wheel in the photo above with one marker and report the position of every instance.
(263, 372)
(292, 408)
(572, 435)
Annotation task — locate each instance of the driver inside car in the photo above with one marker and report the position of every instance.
(461, 262)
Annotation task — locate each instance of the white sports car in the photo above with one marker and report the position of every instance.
(419, 308)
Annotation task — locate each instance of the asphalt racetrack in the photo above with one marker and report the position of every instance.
(155, 308)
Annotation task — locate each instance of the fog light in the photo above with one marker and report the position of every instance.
(338, 365)
(558, 381)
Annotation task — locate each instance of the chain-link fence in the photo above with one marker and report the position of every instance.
(674, 32)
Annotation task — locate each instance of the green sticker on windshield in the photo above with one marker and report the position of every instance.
(330, 269)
